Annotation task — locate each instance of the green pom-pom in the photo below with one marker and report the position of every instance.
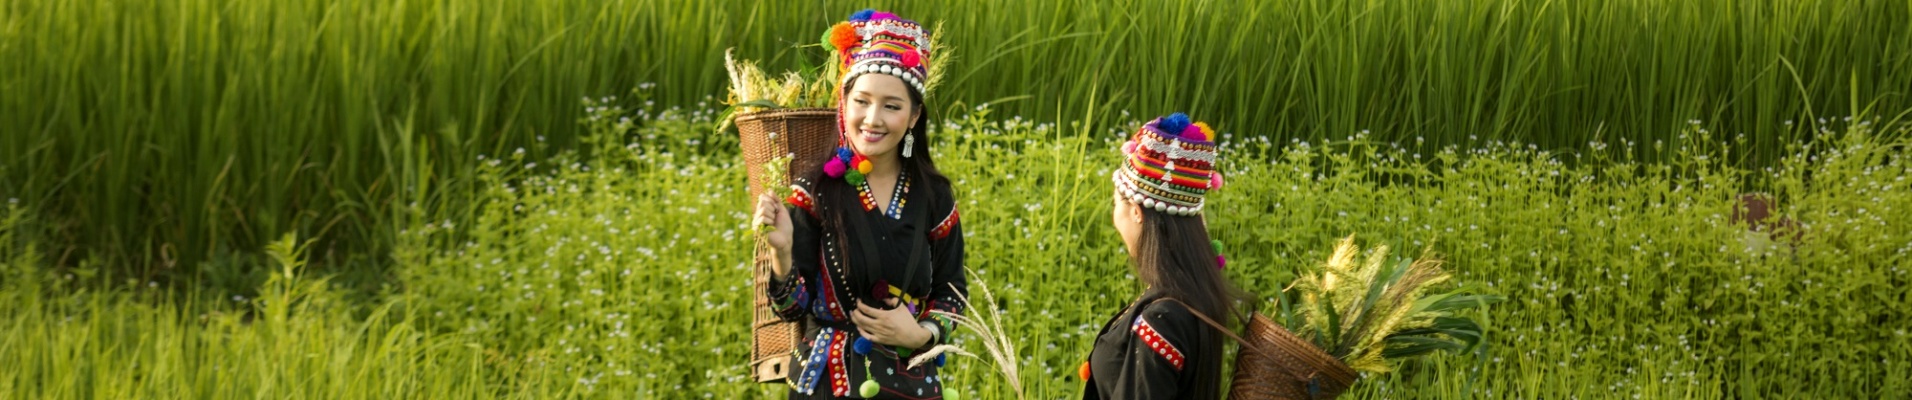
(949, 394)
(854, 177)
(826, 41)
(869, 389)
(1218, 245)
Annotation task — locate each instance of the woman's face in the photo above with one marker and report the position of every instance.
(1128, 220)
(877, 112)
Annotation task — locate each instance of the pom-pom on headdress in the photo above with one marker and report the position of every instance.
(880, 42)
(1169, 165)
(874, 42)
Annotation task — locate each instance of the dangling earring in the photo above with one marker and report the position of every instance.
(909, 142)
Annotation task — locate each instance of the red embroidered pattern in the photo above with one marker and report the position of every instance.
(863, 192)
(942, 229)
(840, 380)
(1155, 341)
(829, 297)
(801, 198)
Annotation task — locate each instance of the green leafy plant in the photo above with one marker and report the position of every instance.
(1368, 313)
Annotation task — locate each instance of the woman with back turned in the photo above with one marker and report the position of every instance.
(1158, 347)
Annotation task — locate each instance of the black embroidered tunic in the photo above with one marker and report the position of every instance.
(912, 251)
(1140, 354)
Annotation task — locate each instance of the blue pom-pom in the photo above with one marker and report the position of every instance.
(1173, 124)
(939, 360)
(864, 15)
(844, 153)
(862, 346)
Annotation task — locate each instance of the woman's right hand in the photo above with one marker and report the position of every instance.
(771, 213)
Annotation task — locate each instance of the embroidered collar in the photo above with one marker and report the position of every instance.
(898, 196)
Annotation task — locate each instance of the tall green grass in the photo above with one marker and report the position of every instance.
(170, 140)
(299, 340)
(623, 275)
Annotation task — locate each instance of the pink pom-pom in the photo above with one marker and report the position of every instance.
(911, 60)
(1221, 262)
(879, 16)
(1215, 181)
(1128, 147)
(834, 168)
(1200, 133)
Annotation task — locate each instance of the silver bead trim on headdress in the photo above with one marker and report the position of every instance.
(886, 66)
(1126, 185)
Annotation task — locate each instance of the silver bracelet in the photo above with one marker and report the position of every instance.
(935, 332)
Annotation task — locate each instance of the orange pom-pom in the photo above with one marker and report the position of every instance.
(844, 37)
(1084, 371)
(864, 166)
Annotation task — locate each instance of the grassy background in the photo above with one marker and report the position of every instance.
(170, 140)
(476, 230)
(565, 279)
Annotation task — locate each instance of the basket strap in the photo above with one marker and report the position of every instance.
(1230, 332)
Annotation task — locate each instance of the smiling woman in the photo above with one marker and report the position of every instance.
(867, 247)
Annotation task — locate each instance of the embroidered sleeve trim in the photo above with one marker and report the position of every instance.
(802, 199)
(791, 296)
(948, 325)
(1162, 347)
(942, 229)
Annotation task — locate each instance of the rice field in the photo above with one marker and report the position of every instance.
(351, 199)
(168, 135)
(565, 278)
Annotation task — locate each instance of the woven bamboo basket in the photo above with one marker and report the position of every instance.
(811, 134)
(1281, 365)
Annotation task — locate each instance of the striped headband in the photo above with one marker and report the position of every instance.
(1169, 165)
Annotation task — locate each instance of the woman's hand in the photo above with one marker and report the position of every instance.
(895, 326)
(771, 213)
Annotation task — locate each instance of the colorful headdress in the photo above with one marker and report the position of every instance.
(1169, 165)
(874, 42)
(880, 42)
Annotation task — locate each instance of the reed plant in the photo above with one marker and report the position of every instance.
(171, 141)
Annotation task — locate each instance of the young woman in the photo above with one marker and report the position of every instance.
(1157, 348)
(869, 246)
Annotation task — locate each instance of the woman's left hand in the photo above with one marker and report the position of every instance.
(895, 326)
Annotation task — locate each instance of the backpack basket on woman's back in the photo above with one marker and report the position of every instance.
(1276, 364)
(810, 134)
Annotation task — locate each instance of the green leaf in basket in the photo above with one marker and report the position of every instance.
(1462, 329)
(1454, 301)
(760, 103)
(1410, 346)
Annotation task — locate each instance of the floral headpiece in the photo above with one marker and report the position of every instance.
(1169, 165)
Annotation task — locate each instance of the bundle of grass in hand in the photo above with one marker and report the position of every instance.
(1371, 313)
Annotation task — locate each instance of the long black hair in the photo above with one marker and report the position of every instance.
(837, 200)
(1174, 256)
